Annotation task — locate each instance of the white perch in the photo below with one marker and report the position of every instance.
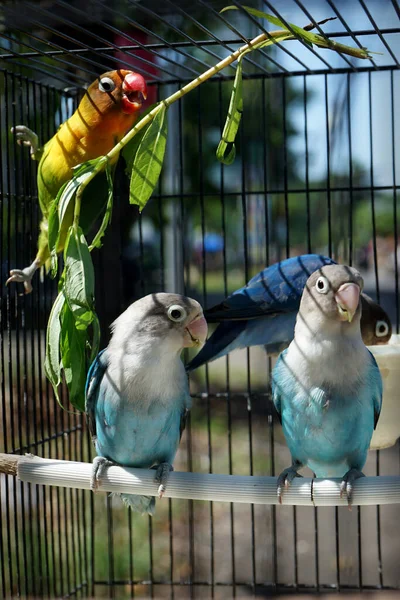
(198, 486)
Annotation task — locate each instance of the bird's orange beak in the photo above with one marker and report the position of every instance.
(197, 332)
(134, 92)
(347, 298)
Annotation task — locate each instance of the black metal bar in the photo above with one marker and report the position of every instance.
(287, 587)
(285, 171)
(22, 397)
(130, 546)
(328, 168)
(351, 198)
(191, 43)
(245, 40)
(307, 171)
(110, 546)
(395, 226)
(59, 33)
(127, 36)
(199, 43)
(353, 34)
(58, 70)
(299, 39)
(228, 397)
(371, 152)
(378, 33)
(278, 44)
(7, 440)
(151, 571)
(322, 33)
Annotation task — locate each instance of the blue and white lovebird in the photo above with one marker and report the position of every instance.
(263, 312)
(326, 386)
(137, 394)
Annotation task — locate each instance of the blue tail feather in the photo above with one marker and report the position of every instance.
(140, 504)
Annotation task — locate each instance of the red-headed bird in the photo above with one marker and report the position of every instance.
(105, 114)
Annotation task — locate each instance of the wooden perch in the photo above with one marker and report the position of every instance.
(198, 486)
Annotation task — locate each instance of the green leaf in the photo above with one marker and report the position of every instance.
(73, 358)
(306, 36)
(54, 229)
(323, 42)
(97, 243)
(52, 361)
(79, 278)
(67, 194)
(129, 151)
(148, 160)
(226, 150)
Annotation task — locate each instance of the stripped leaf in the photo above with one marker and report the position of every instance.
(306, 36)
(298, 32)
(226, 150)
(148, 160)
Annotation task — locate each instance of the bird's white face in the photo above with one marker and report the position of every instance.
(190, 324)
(331, 298)
(169, 320)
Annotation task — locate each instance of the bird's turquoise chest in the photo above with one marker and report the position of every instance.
(139, 437)
(327, 428)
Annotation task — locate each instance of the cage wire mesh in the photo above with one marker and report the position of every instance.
(316, 170)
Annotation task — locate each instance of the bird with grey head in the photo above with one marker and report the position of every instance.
(137, 393)
(326, 385)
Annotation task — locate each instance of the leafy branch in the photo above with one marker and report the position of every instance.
(73, 330)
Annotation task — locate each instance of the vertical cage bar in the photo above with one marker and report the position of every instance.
(307, 170)
(395, 229)
(228, 394)
(328, 167)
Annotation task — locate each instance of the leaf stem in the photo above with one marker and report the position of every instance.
(262, 40)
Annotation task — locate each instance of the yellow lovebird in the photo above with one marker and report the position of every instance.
(105, 114)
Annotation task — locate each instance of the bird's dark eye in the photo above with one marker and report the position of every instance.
(322, 285)
(381, 328)
(106, 84)
(177, 313)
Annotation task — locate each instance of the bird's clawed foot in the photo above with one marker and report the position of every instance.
(286, 478)
(346, 487)
(24, 276)
(27, 137)
(162, 475)
(100, 464)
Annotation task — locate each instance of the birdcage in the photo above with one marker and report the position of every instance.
(316, 170)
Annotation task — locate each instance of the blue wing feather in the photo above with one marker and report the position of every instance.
(93, 381)
(261, 313)
(277, 288)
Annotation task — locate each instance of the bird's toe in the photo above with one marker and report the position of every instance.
(162, 474)
(285, 479)
(347, 485)
(100, 464)
(26, 136)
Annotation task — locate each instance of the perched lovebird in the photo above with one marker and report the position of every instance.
(264, 312)
(137, 394)
(107, 111)
(326, 386)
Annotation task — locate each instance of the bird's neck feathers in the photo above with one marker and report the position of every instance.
(95, 123)
(327, 354)
(143, 366)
